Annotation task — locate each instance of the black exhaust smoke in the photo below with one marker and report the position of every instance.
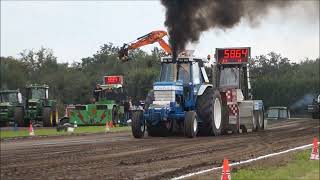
(186, 19)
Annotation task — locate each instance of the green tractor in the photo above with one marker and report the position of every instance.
(39, 109)
(108, 106)
(11, 108)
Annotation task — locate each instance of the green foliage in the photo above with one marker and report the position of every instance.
(23, 132)
(280, 83)
(275, 79)
(72, 84)
(300, 167)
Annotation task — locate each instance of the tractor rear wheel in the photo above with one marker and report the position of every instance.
(217, 113)
(191, 124)
(19, 116)
(46, 116)
(138, 125)
(205, 112)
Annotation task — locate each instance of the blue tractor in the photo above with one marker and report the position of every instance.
(193, 97)
(183, 100)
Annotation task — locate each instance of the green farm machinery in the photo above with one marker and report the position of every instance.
(11, 108)
(108, 106)
(39, 109)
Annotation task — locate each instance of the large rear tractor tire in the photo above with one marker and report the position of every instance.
(217, 119)
(46, 116)
(210, 109)
(19, 116)
(205, 112)
(191, 124)
(138, 124)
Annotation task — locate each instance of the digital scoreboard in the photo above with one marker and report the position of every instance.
(232, 55)
(113, 80)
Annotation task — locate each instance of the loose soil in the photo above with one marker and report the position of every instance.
(120, 156)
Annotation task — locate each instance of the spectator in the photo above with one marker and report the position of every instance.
(97, 92)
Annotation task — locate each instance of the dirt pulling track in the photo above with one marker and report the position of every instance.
(120, 156)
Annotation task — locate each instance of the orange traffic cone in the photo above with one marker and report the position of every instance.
(107, 127)
(31, 131)
(315, 150)
(225, 175)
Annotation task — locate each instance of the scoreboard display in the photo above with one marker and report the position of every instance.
(232, 55)
(113, 79)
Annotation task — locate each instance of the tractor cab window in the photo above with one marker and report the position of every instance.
(113, 94)
(8, 97)
(196, 76)
(273, 113)
(39, 93)
(229, 77)
(184, 72)
(283, 113)
(168, 72)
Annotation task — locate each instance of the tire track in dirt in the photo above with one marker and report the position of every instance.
(155, 158)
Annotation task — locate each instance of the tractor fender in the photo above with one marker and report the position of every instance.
(202, 88)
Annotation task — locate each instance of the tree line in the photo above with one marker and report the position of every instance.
(275, 79)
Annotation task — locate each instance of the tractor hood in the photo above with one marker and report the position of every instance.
(33, 100)
(166, 86)
(165, 93)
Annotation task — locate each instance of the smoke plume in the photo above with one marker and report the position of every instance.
(186, 19)
(303, 102)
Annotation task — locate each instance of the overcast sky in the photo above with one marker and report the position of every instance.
(76, 29)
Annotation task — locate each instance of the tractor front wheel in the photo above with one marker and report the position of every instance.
(19, 116)
(191, 124)
(46, 116)
(138, 125)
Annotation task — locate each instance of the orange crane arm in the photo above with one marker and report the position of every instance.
(150, 38)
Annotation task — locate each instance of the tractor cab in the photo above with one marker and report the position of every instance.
(112, 89)
(179, 82)
(37, 92)
(10, 106)
(36, 95)
(232, 71)
(10, 96)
